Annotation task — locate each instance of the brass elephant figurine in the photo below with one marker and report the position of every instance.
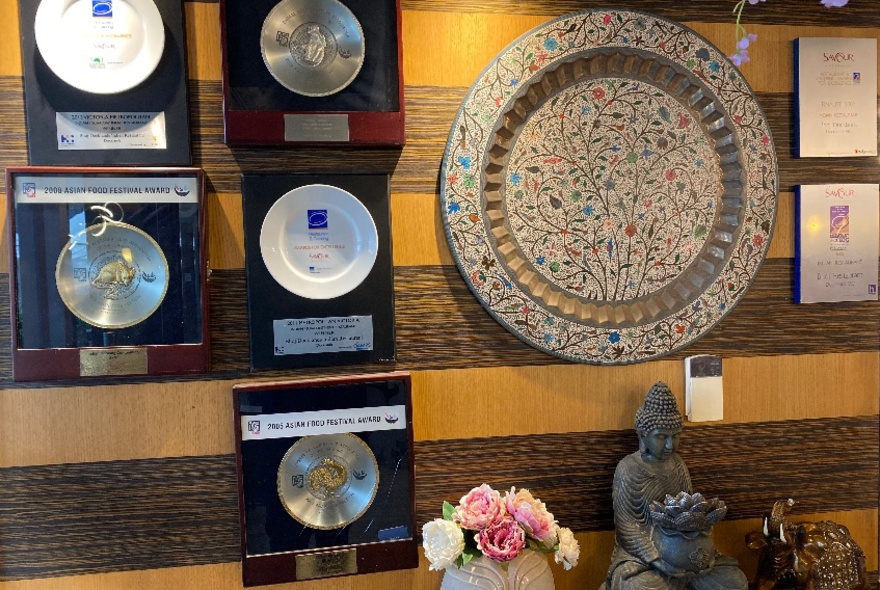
(807, 555)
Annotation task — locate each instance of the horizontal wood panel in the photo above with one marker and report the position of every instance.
(418, 235)
(427, 299)
(430, 111)
(471, 41)
(183, 511)
(857, 14)
(155, 420)
(590, 572)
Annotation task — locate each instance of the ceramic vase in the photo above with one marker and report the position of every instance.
(529, 571)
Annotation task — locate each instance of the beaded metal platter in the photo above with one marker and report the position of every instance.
(609, 187)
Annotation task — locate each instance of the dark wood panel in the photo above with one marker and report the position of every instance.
(748, 466)
(415, 168)
(431, 299)
(129, 515)
(156, 513)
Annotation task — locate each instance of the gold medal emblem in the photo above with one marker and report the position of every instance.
(328, 481)
(112, 275)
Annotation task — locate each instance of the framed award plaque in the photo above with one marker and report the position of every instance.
(107, 272)
(105, 82)
(312, 72)
(320, 279)
(325, 477)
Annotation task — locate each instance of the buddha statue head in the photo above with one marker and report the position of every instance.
(658, 424)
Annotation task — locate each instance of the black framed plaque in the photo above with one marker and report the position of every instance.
(105, 84)
(319, 269)
(325, 477)
(312, 72)
(107, 272)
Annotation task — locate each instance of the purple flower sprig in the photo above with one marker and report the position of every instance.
(744, 38)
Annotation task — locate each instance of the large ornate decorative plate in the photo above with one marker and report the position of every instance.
(609, 187)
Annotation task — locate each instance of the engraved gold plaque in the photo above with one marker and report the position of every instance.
(112, 275)
(117, 361)
(328, 481)
(325, 565)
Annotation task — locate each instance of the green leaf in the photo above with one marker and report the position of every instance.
(533, 169)
(448, 509)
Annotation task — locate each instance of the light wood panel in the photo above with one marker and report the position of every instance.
(225, 231)
(203, 46)
(464, 43)
(594, 559)
(419, 238)
(568, 398)
(469, 42)
(108, 423)
(10, 42)
(771, 68)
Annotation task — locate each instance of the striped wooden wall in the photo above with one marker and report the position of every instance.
(131, 483)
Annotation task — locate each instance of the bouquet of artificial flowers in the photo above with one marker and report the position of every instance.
(498, 528)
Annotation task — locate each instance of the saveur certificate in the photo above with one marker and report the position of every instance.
(837, 242)
(836, 86)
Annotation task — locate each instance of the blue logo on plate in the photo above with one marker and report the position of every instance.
(102, 7)
(317, 218)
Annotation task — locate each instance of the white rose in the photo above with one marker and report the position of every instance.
(569, 550)
(443, 542)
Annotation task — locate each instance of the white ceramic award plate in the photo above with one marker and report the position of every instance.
(100, 46)
(609, 187)
(319, 241)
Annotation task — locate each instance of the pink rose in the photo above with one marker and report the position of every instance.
(479, 508)
(502, 541)
(532, 514)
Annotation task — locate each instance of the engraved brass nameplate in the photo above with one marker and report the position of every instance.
(326, 565)
(119, 361)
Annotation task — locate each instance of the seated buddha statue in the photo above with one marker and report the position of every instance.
(654, 474)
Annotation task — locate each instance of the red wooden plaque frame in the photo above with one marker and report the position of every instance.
(51, 363)
(266, 127)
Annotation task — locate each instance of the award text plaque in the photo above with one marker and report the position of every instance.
(107, 272)
(325, 477)
(316, 72)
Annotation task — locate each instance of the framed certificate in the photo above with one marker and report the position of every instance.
(325, 477)
(107, 272)
(306, 72)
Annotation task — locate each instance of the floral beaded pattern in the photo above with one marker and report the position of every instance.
(618, 196)
(609, 187)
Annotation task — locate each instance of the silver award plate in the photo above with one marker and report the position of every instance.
(312, 47)
(328, 481)
(112, 275)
